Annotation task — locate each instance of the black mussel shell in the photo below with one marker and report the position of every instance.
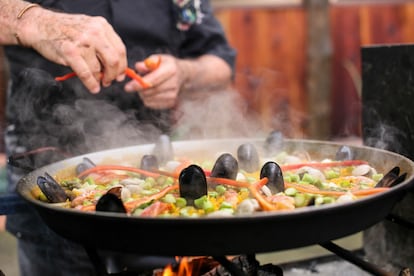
(274, 142)
(110, 202)
(163, 149)
(226, 166)
(248, 157)
(192, 183)
(149, 162)
(392, 178)
(51, 189)
(84, 165)
(116, 190)
(344, 153)
(273, 172)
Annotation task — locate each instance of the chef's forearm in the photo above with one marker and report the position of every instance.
(205, 73)
(11, 25)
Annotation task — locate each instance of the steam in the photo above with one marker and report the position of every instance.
(385, 137)
(44, 112)
(220, 114)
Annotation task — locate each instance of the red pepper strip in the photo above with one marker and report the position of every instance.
(323, 164)
(131, 205)
(101, 168)
(314, 190)
(254, 190)
(365, 192)
(66, 77)
(263, 202)
(128, 71)
(131, 73)
(152, 64)
(88, 208)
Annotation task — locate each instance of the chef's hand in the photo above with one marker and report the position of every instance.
(166, 81)
(176, 77)
(89, 45)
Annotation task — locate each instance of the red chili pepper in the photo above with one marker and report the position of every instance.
(66, 77)
(323, 164)
(129, 72)
(103, 168)
(151, 63)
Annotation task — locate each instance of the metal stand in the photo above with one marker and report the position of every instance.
(400, 221)
(350, 257)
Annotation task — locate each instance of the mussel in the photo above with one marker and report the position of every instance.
(392, 178)
(248, 157)
(192, 183)
(226, 166)
(51, 189)
(274, 142)
(149, 162)
(84, 165)
(344, 153)
(273, 172)
(163, 149)
(110, 202)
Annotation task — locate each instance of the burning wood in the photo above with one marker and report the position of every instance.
(208, 266)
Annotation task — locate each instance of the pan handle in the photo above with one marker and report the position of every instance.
(27, 162)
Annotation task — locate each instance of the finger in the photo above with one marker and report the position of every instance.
(113, 60)
(159, 100)
(132, 86)
(141, 68)
(111, 52)
(85, 73)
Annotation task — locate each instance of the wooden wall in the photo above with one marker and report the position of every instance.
(272, 69)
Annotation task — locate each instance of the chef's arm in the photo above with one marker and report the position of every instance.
(89, 45)
(208, 72)
(9, 22)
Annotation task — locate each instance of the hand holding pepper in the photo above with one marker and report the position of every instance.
(166, 81)
(87, 44)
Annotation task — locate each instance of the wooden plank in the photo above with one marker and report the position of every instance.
(272, 45)
(319, 68)
(270, 66)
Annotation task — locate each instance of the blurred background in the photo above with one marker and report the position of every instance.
(298, 67)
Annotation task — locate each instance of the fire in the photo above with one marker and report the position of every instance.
(187, 266)
(184, 268)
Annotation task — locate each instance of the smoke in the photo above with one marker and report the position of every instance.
(384, 137)
(43, 112)
(219, 114)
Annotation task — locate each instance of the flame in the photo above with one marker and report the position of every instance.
(185, 268)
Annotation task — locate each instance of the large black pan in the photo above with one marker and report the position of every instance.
(257, 233)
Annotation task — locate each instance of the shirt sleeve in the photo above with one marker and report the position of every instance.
(207, 37)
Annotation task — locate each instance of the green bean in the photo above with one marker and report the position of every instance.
(377, 177)
(308, 178)
(290, 191)
(330, 174)
(220, 189)
(180, 202)
(226, 205)
(188, 212)
(169, 198)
